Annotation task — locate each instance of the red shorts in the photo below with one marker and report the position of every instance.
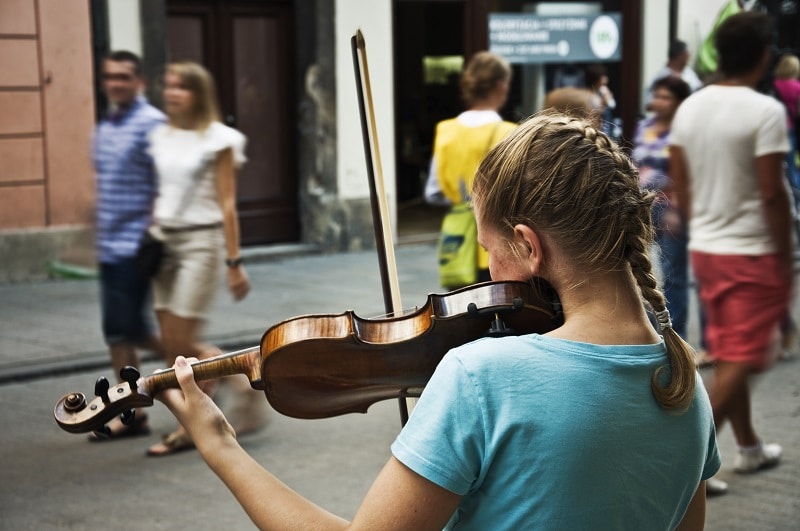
(745, 298)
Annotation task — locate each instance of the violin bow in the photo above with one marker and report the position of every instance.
(377, 191)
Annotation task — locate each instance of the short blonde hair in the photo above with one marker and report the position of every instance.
(482, 74)
(788, 67)
(572, 101)
(197, 80)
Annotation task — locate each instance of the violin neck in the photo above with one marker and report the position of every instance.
(246, 361)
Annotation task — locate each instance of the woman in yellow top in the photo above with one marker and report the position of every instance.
(461, 143)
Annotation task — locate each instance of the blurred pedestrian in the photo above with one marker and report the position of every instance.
(678, 57)
(574, 101)
(707, 55)
(601, 422)
(597, 82)
(126, 189)
(196, 157)
(728, 144)
(460, 143)
(787, 87)
(651, 154)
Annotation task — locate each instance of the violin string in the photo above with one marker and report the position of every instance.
(386, 315)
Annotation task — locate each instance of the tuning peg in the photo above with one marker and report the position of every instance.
(130, 375)
(101, 387)
(103, 433)
(127, 417)
(74, 402)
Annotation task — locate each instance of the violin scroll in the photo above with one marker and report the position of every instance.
(75, 415)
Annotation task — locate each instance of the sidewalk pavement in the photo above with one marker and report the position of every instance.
(49, 327)
(53, 328)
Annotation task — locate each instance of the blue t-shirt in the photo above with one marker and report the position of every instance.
(126, 180)
(543, 433)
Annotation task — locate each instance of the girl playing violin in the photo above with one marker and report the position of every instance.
(602, 423)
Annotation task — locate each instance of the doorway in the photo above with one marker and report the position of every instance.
(433, 38)
(247, 47)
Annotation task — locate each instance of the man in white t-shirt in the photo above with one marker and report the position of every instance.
(727, 148)
(678, 65)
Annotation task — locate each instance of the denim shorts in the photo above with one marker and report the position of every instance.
(125, 299)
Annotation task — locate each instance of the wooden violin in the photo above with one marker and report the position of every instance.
(320, 366)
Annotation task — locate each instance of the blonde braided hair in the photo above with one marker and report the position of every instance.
(561, 176)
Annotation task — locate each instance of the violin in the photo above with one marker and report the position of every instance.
(320, 366)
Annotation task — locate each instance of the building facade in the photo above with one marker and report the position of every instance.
(46, 105)
(284, 71)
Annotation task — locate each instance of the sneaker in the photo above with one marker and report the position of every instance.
(715, 487)
(765, 456)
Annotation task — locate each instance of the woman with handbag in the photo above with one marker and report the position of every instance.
(195, 215)
(459, 146)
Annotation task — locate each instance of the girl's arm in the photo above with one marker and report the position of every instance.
(225, 171)
(680, 196)
(777, 209)
(398, 499)
(695, 517)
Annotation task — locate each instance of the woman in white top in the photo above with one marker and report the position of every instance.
(196, 158)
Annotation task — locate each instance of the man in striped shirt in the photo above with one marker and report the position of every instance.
(126, 189)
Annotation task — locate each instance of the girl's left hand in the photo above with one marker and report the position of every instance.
(238, 283)
(194, 409)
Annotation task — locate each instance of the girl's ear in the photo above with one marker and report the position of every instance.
(531, 250)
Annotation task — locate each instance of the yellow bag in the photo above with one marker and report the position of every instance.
(458, 248)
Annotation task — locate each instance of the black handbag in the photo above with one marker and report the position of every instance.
(150, 254)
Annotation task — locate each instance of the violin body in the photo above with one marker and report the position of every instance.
(320, 366)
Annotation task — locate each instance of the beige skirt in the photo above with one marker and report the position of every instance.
(187, 282)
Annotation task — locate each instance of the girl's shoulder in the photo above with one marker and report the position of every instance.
(219, 137)
(507, 126)
(644, 124)
(218, 130)
(158, 130)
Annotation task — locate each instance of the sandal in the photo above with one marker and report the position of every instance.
(175, 442)
(137, 428)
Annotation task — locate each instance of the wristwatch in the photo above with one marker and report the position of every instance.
(233, 262)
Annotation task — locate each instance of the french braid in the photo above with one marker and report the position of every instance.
(561, 176)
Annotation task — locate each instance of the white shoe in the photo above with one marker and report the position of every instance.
(715, 487)
(766, 456)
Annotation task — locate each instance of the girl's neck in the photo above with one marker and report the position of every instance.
(745, 80)
(484, 106)
(606, 309)
(183, 122)
(494, 101)
(662, 122)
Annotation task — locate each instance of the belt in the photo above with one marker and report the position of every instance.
(191, 228)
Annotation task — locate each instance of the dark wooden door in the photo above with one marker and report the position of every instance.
(247, 46)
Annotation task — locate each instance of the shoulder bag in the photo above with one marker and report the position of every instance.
(458, 241)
